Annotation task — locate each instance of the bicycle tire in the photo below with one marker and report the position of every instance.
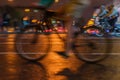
(91, 49)
(29, 48)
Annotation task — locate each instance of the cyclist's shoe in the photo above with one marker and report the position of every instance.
(62, 53)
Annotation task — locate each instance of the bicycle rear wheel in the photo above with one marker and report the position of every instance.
(32, 46)
(91, 49)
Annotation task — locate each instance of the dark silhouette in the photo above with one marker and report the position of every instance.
(89, 72)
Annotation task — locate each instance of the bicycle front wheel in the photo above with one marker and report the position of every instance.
(32, 46)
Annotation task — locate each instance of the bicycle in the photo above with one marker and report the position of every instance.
(78, 45)
(84, 47)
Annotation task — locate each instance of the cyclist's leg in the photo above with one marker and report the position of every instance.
(73, 13)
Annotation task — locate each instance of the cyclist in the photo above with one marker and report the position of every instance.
(101, 15)
(79, 11)
(108, 15)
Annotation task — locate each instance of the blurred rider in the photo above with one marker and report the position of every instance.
(102, 15)
(79, 11)
(109, 15)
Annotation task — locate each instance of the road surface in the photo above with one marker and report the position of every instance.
(55, 66)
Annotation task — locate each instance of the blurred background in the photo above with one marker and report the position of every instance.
(14, 14)
(23, 12)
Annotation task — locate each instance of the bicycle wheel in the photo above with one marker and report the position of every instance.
(32, 46)
(91, 49)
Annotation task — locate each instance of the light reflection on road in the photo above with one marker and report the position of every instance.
(54, 66)
(55, 63)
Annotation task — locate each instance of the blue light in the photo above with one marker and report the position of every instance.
(107, 30)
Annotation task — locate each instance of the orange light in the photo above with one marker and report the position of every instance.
(10, 0)
(95, 14)
(44, 23)
(27, 10)
(38, 22)
(34, 20)
(56, 1)
(90, 22)
(25, 18)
